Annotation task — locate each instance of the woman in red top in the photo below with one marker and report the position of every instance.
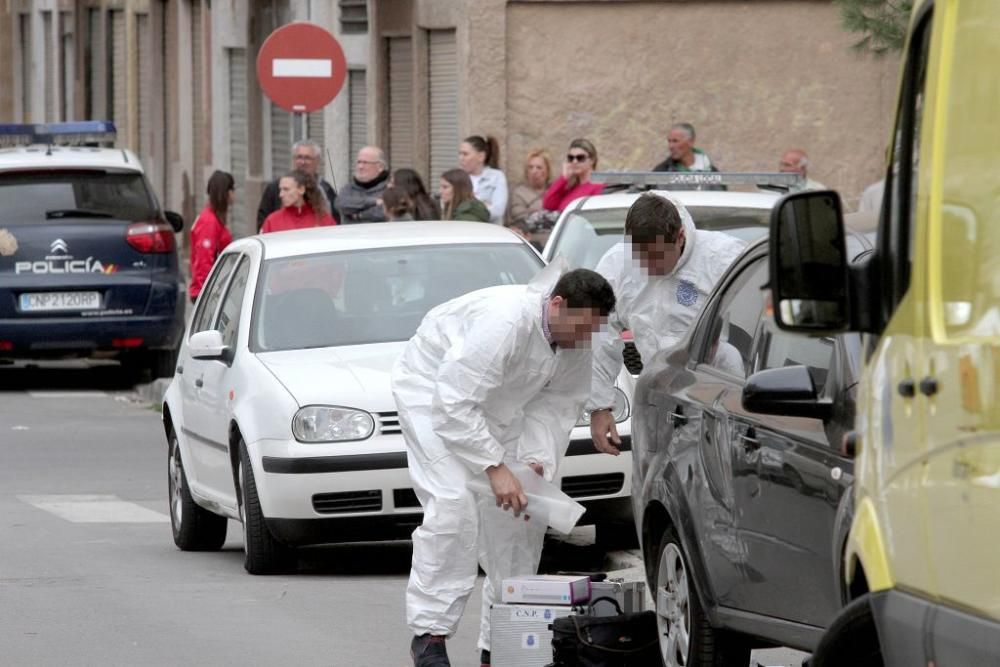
(303, 205)
(581, 161)
(209, 235)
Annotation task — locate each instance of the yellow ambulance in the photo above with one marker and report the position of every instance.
(921, 580)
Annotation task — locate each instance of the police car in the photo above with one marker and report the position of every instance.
(88, 260)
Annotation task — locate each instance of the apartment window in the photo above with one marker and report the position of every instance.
(353, 17)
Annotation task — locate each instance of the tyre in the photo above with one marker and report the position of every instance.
(686, 637)
(852, 639)
(262, 553)
(194, 527)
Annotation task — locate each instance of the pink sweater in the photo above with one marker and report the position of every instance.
(558, 197)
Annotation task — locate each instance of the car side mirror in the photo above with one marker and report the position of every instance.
(207, 345)
(175, 220)
(788, 392)
(809, 264)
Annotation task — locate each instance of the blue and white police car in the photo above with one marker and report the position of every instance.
(88, 260)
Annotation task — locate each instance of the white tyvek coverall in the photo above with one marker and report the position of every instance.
(658, 310)
(476, 385)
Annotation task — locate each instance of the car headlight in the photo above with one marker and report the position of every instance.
(620, 409)
(323, 423)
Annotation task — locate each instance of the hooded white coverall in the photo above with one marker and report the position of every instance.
(479, 384)
(658, 310)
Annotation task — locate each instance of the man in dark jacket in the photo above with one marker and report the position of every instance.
(306, 156)
(359, 199)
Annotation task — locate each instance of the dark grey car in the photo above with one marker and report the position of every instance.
(739, 476)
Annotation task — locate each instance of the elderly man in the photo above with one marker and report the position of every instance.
(306, 156)
(683, 154)
(359, 199)
(795, 161)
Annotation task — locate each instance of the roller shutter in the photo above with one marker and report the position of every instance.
(117, 97)
(96, 95)
(238, 155)
(358, 112)
(24, 24)
(443, 121)
(50, 68)
(144, 124)
(400, 102)
(197, 86)
(281, 141)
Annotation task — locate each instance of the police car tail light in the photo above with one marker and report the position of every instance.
(151, 237)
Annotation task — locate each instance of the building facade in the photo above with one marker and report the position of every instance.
(178, 78)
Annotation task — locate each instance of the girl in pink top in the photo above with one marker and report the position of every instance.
(581, 160)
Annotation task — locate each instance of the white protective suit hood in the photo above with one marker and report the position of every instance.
(658, 310)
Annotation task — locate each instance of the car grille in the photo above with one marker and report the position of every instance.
(351, 501)
(389, 423)
(593, 485)
(404, 498)
(632, 358)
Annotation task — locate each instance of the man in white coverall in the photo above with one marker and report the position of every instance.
(662, 274)
(500, 374)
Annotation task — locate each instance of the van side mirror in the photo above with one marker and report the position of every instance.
(175, 220)
(788, 392)
(809, 263)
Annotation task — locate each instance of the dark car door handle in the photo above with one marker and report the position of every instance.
(199, 383)
(928, 386)
(907, 388)
(678, 416)
(180, 370)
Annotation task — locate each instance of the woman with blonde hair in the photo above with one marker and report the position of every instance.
(526, 197)
(457, 200)
(303, 205)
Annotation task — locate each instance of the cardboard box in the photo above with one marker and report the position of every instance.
(547, 589)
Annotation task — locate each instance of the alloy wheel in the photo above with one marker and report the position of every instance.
(673, 612)
(175, 475)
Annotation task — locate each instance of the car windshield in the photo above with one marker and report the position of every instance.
(374, 296)
(91, 196)
(586, 235)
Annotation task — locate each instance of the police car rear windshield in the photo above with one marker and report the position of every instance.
(74, 196)
(587, 235)
(374, 296)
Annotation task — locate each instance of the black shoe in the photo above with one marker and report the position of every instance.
(429, 651)
(484, 658)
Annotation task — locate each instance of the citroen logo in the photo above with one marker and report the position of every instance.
(59, 246)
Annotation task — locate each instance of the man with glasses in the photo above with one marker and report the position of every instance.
(359, 200)
(306, 156)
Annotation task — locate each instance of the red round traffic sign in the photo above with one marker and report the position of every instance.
(301, 67)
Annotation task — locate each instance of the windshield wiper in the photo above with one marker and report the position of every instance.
(76, 213)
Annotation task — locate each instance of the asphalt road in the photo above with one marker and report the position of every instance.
(89, 574)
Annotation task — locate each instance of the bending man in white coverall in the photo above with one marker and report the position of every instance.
(500, 374)
(662, 274)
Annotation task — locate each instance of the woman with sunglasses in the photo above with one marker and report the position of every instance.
(581, 160)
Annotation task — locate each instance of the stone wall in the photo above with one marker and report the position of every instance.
(754, 77)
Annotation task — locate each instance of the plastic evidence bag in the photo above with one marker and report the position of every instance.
(547, 504)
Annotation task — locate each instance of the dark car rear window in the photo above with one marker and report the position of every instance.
(30, 198)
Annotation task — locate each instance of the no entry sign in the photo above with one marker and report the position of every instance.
(301, 67)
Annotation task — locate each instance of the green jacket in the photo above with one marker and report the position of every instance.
(472, 210)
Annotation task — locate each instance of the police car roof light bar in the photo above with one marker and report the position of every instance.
(687, 179)
(78, 133)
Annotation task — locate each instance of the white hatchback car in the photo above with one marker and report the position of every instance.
(281, 414)
(587, 229)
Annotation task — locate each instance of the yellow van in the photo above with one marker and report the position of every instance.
(921, 579)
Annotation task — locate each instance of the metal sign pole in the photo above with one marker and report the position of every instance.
(299, 124)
